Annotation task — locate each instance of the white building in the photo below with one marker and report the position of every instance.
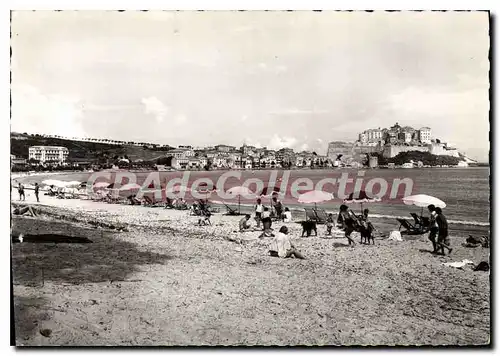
(373, 135)
(48, 153)
(424, 135)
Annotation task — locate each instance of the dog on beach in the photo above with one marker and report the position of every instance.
(308, 227)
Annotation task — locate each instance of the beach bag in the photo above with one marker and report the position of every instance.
(482, 266)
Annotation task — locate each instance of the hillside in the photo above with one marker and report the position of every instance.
(20, 144)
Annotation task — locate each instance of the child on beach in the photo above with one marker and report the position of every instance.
(282, 247)
(366, 228)
(259, 209)
(244, 225)
(287, 215)
(266, 223)
(329, 224)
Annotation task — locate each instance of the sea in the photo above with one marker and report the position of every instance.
(466, 191)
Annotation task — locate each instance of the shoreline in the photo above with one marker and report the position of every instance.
(380, 212)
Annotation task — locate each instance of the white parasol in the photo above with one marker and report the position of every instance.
(315, 196)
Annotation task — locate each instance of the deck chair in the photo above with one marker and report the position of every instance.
(231, 211)
(425, 222)
(310, 214)
(410, 229)
(321, 216)
(416, 218)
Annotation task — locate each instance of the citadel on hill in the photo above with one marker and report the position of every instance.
(389, 142)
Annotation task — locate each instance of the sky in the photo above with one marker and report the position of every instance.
(278, 79)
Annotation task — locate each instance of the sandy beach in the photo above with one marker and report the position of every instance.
(166, 281)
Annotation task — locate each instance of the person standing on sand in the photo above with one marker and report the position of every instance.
(259, 209)
(37, 191)
(443, 238)
(266, 223)
(347, 222)
(329, 224)
(20, 190)
(434, 229)
(278, 208)
(282, 247)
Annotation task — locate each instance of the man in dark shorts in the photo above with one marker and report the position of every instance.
(347, 222)
(37, 190)
(434, 229)
(20, 190)
(443, 238)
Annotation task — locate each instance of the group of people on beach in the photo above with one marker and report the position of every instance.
(438, 233)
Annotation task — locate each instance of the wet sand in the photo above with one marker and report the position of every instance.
(167, 281)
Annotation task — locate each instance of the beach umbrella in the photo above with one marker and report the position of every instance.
(361, 198)
(129, 187)
(315, 196)
(73, 184)
(240, 191)
(101, 185)
(423, 200)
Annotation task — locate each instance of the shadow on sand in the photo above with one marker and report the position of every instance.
(108, 258)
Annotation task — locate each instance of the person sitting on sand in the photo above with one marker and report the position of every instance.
(347, 222)
(287, 215)
(281, 245)
(443, 238)
(329, 224)
(133, 200)
(24, 210)
(181, 204)
(168, 203)
(244, 225)
(205, 218)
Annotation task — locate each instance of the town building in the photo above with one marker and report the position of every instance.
(45, 154)
(424, 135)
(224, 148)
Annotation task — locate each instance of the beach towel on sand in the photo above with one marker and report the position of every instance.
(459, 264)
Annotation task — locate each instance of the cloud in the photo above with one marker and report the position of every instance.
(304, 147)
(180, 119)
(35, 112)
(278, 142)
(295, 111)
(155, 107)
